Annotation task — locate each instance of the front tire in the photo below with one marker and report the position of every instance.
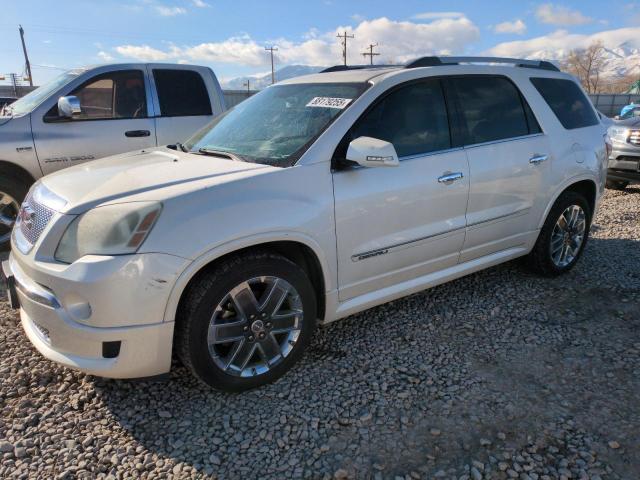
(12, 193)
(617, 184)
(563, 236)
(246, 322)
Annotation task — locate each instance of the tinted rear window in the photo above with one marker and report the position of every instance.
(567, 101)
(181, 93)
(492, 109)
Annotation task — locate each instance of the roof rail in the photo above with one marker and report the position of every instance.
(434, 61)
(340, 68)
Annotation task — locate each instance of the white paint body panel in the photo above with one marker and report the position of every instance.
(377, 233)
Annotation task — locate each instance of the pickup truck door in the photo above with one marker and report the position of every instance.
(394, 224)
(116, 117)
(185, 98)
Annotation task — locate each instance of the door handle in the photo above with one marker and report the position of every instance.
(137, 133)
(449, 178)
(536, 159)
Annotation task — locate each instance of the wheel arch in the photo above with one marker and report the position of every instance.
(585, 186)
(304, 253)
(10, 169)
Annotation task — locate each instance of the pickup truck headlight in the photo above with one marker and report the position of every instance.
(619, 134)
(110, 230)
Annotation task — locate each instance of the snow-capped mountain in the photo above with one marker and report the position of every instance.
(260, 81)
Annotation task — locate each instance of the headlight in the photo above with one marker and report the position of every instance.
(110, 230)
(619, 133)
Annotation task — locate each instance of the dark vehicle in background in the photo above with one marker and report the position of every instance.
(624, 160)
(6, 101)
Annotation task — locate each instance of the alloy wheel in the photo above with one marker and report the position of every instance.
(568, 236)
(9, 208)
(255, 326)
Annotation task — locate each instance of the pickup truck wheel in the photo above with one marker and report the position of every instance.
(12, 192)
(563, 236)
(617, 184)
(247, 322)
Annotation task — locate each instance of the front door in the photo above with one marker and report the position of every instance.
(394, 224)
(114, 120)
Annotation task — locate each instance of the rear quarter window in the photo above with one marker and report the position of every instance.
(567, 101)
(181, 93)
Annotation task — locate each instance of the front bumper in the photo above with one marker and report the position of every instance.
(624, 163)
(63, 328)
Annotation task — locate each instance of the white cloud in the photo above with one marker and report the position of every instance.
(170, 11)
(559, 43)
(437, 15)
(104, 56)
(200, 3)
(560, 15)
(399, 42)
(517, 26)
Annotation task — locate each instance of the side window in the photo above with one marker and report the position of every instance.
(413, 118)
(113, 95)
(491, 109)
(567, 101)
(181, 93)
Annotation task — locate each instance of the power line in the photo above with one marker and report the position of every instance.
(273, 73)
(344, 38)
(370, 53)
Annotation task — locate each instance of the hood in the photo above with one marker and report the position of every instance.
(629, 122)
(142, 175)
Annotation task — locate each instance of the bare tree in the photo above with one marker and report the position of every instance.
(587, 65)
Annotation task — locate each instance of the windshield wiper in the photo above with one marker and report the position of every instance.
(178, 146)
(217, 153)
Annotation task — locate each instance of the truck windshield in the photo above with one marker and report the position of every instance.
(277, 125)
(30, 101)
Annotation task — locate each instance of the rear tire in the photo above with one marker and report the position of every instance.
(246, 322)
(617, 184)
(12, 193)
(561, 242)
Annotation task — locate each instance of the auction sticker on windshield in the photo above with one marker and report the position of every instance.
(329, 102)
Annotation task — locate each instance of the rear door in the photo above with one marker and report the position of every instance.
(394, 224)
(183, 103)
(114, 119)
(509, 163)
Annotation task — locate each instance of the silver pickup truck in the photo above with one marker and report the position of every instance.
(94, 112)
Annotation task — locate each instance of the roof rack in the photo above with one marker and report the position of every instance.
(341, 68)
(434, 61)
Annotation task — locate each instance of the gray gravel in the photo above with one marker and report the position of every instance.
(498, 375)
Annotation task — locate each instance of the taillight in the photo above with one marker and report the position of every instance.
(607, 144)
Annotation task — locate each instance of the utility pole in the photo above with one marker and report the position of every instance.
(247, 84)
(344, 38)
(273, 73)
(26, 57)
(371, 53)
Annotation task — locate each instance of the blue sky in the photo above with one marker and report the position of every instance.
(230, 35)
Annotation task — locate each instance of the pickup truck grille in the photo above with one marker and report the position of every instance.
(33, 218)
(634, 137)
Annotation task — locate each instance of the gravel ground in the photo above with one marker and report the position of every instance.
(498, 375)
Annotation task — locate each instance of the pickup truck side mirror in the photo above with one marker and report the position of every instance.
(69, 106)
(372, 152)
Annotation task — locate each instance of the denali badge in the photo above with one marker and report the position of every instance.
(27, 216)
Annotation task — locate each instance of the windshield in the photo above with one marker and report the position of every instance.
(275, 126)
(30, 101)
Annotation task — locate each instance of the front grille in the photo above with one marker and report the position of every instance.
(33, 219)
(634, 137)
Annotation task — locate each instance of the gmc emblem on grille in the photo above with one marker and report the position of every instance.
(27, 216)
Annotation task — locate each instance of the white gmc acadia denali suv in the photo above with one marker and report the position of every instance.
(315, 199)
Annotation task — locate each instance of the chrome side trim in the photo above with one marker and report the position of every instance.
(517, 213)
(383, 251)
(504, 140)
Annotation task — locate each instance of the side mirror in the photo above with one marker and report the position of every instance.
(69, 106)
(372, 152)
